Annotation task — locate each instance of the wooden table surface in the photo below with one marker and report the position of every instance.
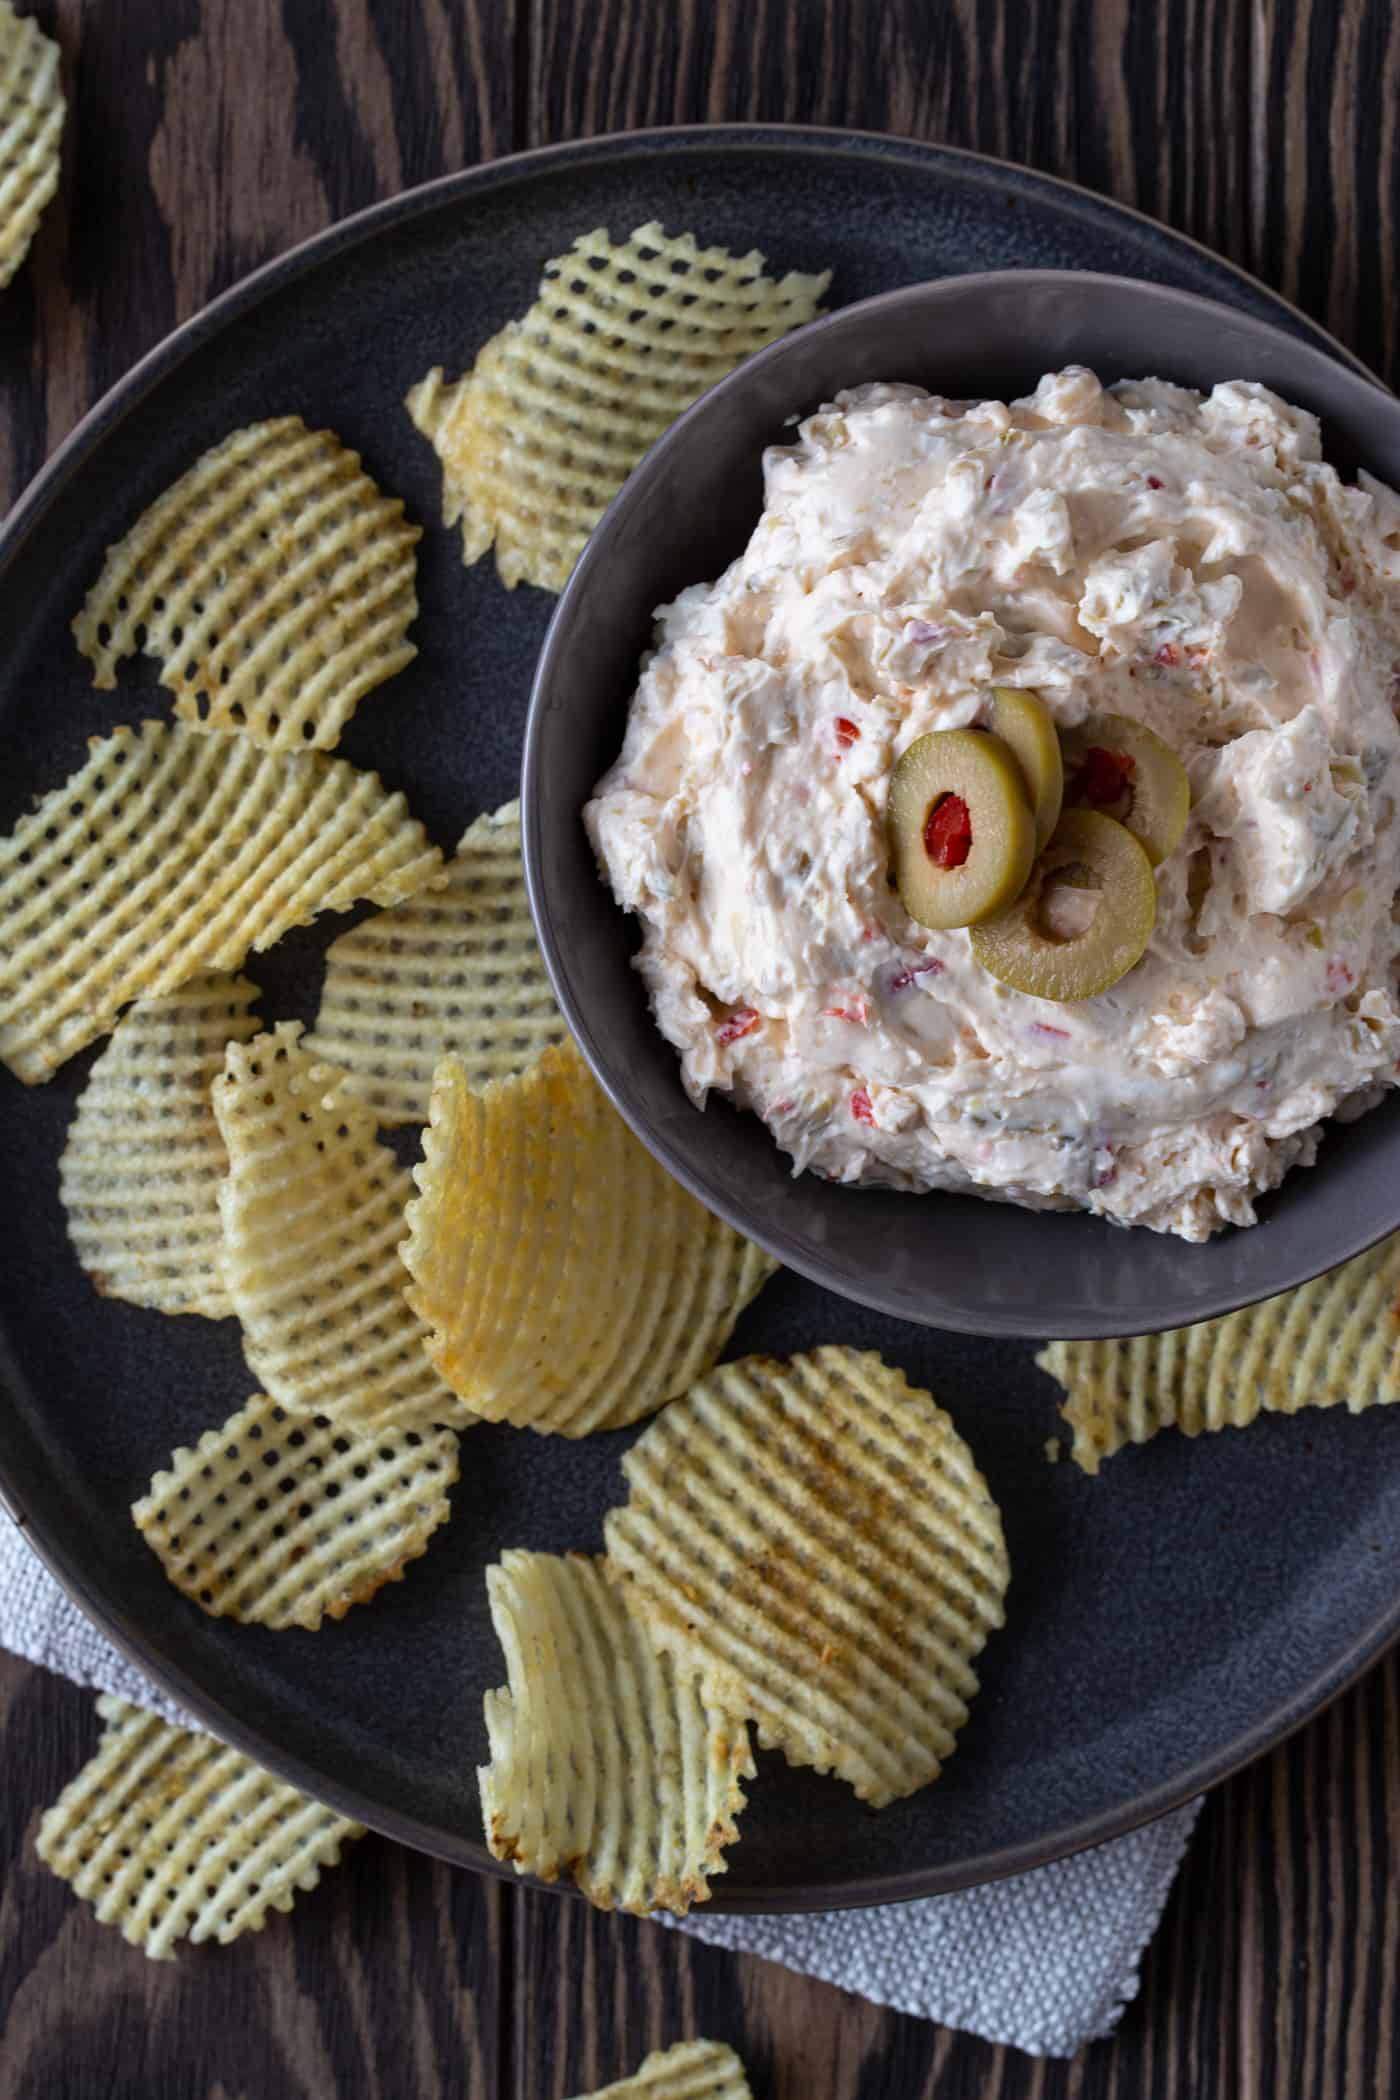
(206, 136)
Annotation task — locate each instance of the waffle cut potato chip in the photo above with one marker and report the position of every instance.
(1334, 1342)
(561, 404)
(813, 1542)
(604, 1764)
(274, 583)
(284, 1520)
(568, 1282)
(453, 970)
(31, 127)
(170, 1835)
(140, 1173)
(688, 2071)
(169, 854)
(313, 1212)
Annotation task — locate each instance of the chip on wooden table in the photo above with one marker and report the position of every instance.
(1334, 1342)
(140, 1172)
(559, 407)
(274, 583)
(312, 1210)
(569, 1284)
(171, 1835)
(283, 1520)
(687, 2071)
(604, 1764)
(813, 1542)
(455, 969)
(168, 854)
(31, 126)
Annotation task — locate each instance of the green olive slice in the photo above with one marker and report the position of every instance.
(962, 837)
(1124, 770)
(1022, 720)
(1083, 920)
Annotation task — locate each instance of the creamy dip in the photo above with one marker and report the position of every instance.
(1188, 561)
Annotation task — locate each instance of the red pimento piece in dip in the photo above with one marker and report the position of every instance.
(1169, 655)
(847, 731)
(861, 1107)
(902, 979)
(1105, 776)
(741, 1022)
(948, 832)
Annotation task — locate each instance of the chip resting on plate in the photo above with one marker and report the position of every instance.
(540, 435)
(1334, 1342)
(140, 1173)
(31, 126)
(604, 1764)
(313, 1214)
(568, 1282)
(688, 2071)
(453, 969)
(283, 1520)
(813, 1542)
(274, 583)
(168, 854)
(170, 1835)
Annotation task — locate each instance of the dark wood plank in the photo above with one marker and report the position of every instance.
(1324, 166)
(1265, 128)
(1111, 94)
(384, 1981)
(1272, 1974)
(208, 135)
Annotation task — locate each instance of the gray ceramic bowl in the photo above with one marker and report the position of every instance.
(947, 1261)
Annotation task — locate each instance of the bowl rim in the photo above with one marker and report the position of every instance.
(578, 1011)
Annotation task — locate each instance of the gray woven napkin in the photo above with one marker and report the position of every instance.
(1044, 1962)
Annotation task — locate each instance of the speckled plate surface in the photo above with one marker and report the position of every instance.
(1167, 1621)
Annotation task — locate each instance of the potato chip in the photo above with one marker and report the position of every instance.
(568, 1282)
(170, 1835)
(31, 126)
(1334, 1342)
(313, 1209)
(140, 1173)
(560, 405)
(168, 854)
(603, 1765)
(451, 970)
(813, 1541)
(274, 583)
(689, 2071)
(282, 1520)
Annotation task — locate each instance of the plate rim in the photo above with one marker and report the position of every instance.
(110, 1616)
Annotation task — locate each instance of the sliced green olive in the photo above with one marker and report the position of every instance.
(1023, 721)
(1084, 918)
(962, 837)
(1123, 769)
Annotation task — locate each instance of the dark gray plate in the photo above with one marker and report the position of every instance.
(1166, 1623)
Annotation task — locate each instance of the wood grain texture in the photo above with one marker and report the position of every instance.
(1265, 128)
(1271, 1978)
(209, 134)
